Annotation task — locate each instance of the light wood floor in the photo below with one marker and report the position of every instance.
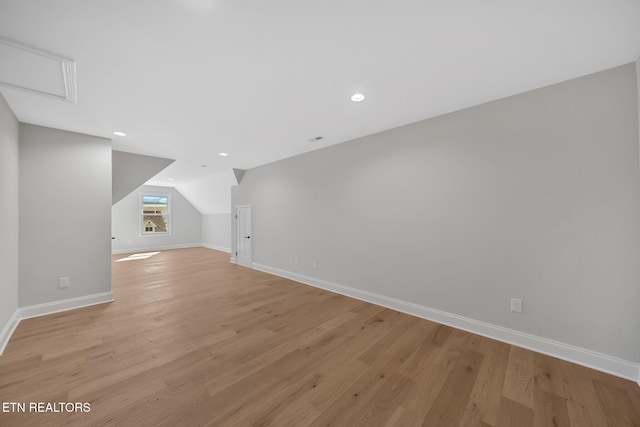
(193, 340)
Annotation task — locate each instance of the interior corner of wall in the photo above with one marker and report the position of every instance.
(637, 64)
(8, 330)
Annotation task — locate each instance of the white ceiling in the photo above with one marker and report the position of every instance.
(187, 79)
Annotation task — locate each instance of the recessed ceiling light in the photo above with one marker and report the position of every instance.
(118, 133)
(357, 97)
(172, 179)
(223, 154)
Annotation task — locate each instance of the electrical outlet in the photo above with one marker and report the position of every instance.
(296, 260)
(315, 264)
(65, 282)
(516, 305)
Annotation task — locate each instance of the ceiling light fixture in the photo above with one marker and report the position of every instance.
(223, 154)
(118, 133)
(357, 97)
(172, 179)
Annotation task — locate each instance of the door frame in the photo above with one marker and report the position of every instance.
(237, 235)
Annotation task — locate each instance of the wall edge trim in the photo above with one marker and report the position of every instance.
(216, 248)
(38, 310)
(64, 305)
(9, 329)
(155, 248)
(591, 359)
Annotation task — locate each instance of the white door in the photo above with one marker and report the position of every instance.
(243, 235)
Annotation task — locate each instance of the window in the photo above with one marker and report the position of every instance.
(155, 214)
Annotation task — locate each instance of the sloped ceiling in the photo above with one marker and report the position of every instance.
(130, 171)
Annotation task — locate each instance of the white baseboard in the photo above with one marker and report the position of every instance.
(580, 356)
(64, 305)
(49, 308)
(8, 329)
(216, 247)
(232, 260)
(155, 248)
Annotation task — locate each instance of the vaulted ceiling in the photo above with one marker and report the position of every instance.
(259, 80)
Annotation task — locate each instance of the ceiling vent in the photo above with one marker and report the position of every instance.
(37, 71)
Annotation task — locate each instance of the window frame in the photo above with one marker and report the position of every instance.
(141, 215)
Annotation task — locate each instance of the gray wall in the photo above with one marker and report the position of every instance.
(8, 213)
(186, 224)
(535, 196)
(65, 213)
(216, 231)
(131, 170)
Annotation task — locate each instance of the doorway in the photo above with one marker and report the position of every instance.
(243, 235)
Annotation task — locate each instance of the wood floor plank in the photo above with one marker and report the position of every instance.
(436, 359)
(270, 354)
(335, 383)
(518, 383)
(547, 375)
(613, 398)
(192, 340)
(299, 413)
(549, 410)
(234, 401)
(449, 407)
(351, 405)
(514, 414)
(385, 401)
(583, 404)
(400, 418)
(486, 396)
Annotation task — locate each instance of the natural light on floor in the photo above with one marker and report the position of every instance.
(138, 256)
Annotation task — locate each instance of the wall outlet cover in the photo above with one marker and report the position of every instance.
(516, 305)
(65, 282)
